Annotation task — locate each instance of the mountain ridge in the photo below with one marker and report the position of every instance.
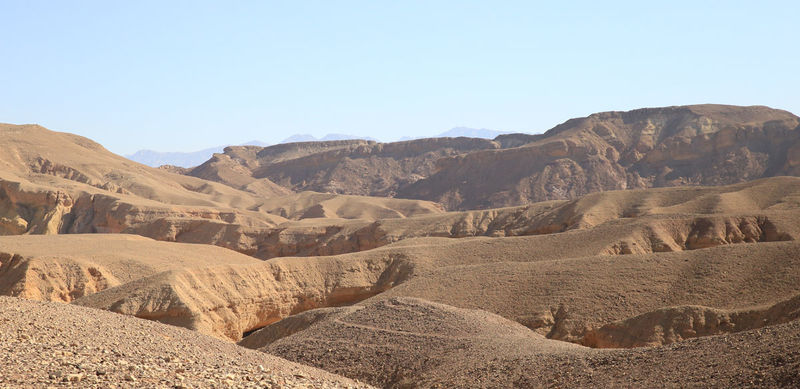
(650, 147)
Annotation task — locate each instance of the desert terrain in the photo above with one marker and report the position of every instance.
(651, 248)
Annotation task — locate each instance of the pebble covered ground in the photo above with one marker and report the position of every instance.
(58, 345)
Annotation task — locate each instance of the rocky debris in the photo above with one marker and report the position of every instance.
(57, 345)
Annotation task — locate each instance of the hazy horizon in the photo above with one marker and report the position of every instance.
(188, 76)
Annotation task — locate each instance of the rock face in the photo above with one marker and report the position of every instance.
(654, 147)
(86, 189)
(227, 294)
(212, 290)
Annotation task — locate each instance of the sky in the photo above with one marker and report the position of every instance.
(188, 75)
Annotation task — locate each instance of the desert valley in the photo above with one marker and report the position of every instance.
(651, 248)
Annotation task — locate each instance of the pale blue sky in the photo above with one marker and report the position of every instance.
(186, 75)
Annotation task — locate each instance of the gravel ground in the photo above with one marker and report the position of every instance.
(57, 345)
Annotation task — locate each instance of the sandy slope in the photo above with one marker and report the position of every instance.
(50, 344)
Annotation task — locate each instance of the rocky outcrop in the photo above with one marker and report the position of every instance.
(692, 233)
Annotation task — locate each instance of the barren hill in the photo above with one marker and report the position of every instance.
(653, 147)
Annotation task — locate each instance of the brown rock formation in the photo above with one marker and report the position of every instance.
(655, 147)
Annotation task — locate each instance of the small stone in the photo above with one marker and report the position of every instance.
(129, 377)
(73, 378)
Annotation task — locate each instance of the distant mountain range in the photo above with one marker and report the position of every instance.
(312, 138)
(187, 159)
(194, 158)
(468, 132)
(182, 159)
